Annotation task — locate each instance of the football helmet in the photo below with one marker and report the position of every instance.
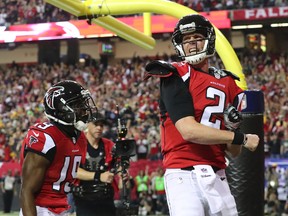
(194, 23)
(68, 103)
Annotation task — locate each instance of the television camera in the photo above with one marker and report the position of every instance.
(123, 150)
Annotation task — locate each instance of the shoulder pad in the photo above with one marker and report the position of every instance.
(159, 68)
(219, 73)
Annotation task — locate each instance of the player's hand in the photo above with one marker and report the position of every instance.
(252, 142)
(107, 177)
(232, 118)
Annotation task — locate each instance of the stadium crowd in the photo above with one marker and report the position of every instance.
(13, 12)
(22, 88)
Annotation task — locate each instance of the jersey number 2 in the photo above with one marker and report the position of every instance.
(211, 94)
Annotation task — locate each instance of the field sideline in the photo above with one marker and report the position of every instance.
(14, 213)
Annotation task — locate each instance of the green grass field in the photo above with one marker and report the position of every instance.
(10, 214)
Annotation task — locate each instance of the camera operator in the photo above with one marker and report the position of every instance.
(96, 197)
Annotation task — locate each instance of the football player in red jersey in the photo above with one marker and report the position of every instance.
(198, 104)
(52, 150)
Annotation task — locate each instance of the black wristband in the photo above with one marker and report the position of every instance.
(239, 138)
(97, 176)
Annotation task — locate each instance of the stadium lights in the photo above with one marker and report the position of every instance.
(247, 26)
(275, 25)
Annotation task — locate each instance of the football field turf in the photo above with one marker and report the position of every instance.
(14, 213)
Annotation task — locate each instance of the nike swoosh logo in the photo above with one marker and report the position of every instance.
(36, 134)
(222, 178)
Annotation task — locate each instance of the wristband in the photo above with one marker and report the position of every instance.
(97, 176)
(245, 140)
(239, 139)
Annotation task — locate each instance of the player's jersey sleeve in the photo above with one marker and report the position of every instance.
(41, 143)
(175, 98)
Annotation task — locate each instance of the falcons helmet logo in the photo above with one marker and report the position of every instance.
(51, 94)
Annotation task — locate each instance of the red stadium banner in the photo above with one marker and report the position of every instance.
(13, 166)
(259, 14)
(81, 29)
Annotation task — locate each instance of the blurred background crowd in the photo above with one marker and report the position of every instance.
(13, 12)
(22, 87)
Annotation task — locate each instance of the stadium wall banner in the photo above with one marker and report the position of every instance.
(16, 168)
(259, 14)
(81, 29)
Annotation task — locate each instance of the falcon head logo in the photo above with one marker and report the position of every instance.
(51, 94)
(32, 140)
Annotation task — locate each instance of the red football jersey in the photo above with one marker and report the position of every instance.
(69, 153)
(211, 93)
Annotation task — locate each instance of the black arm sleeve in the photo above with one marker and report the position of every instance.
(49, 155)
(176, 98)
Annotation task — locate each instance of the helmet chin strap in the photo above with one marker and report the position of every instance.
(57, 120)
(198, 58)
(195, 59)
(79, 125)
